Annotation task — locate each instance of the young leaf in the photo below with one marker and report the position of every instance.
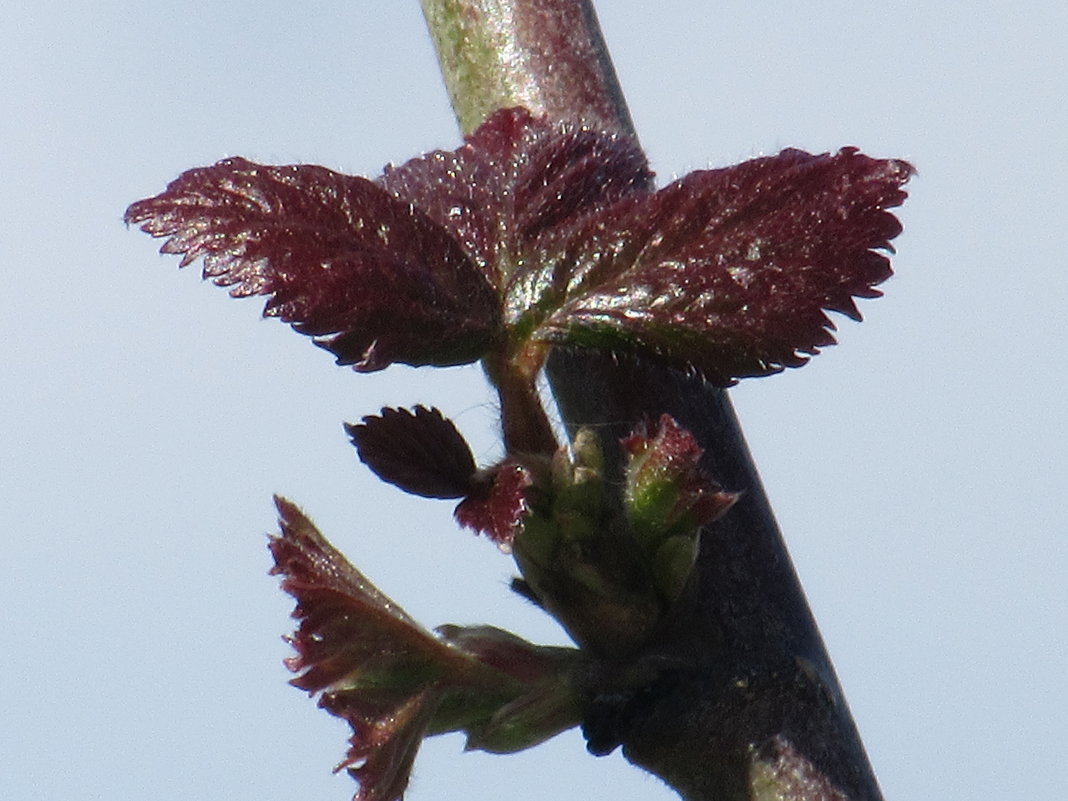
(497, 503)
(369, 276)
(665, 491)
(396, 683)
(344, 618)
(667, 499)
(551, 231)
(552, 699)
(350, 633)
(516, 176)
(730, 271)
(419, 451)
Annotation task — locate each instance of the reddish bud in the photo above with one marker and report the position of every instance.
(666, 491)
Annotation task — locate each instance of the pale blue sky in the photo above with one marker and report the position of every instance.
(918, 469)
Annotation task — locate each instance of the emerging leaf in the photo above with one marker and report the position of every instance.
(369, 276)
(497, 503)
(577, 559)
(730, 271)
(666, 492)
(375, 666)
(419, 451)
(396, 683)
(551, 702)
(668, 498)
(609, 564)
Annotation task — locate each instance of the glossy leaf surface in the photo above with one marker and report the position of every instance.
(368, 275)
(542, 232)
(730, 272)
(515, 177)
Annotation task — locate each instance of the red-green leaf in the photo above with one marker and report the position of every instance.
(375, 666)
(731, 271)
(664, 486)
(345, 621)
(369, 276)
(551, 701)
(396, 683)
(419, 451)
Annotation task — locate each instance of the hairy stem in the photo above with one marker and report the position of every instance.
(524, 424)
(758, 713)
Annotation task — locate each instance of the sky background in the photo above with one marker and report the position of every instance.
(918, 470)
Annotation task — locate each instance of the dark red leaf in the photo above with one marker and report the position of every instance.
(731, 271)
(496, 505)
(418, 450)
(553, 231)
(369, 276)
(516, 176)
